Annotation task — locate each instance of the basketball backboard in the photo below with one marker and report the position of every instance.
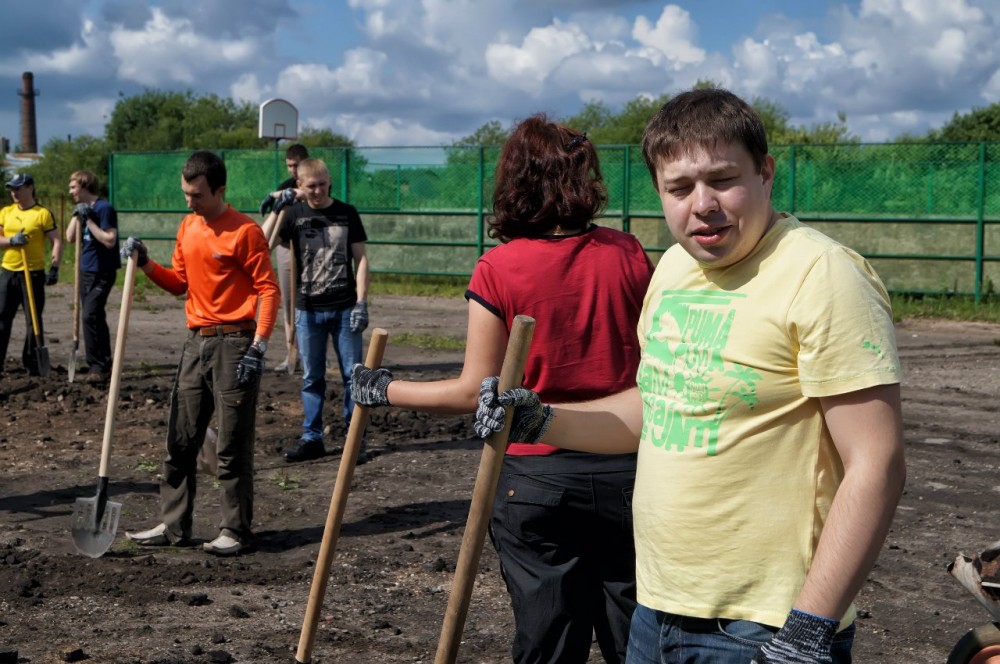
(278, 119)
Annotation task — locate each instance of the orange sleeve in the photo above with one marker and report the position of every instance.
(258, 264)
(167, 280)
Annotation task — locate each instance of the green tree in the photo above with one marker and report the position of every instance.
(169, 120)
(491, 133)
(314, 137)
(980, 124)
(62, 158)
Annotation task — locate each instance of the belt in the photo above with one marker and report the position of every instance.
(226, 328)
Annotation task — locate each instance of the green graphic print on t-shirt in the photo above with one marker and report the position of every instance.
(688, 388)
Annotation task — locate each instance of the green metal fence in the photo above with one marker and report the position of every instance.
(926, 215)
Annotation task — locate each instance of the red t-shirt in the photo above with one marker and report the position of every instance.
(585, 293)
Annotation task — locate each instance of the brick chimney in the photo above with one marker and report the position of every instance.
(29, 133)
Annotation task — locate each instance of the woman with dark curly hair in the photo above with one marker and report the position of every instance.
(561, 520)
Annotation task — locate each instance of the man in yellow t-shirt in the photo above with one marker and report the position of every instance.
(26, 226)
(766, 417)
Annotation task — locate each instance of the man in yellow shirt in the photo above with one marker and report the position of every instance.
(766, 417)
(26, 226)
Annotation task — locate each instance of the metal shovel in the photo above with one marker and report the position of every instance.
(40, 350)
(95, 520)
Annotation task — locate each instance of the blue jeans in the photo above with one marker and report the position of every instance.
(312, 329)
(664, 638)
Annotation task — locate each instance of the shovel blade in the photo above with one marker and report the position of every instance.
(43, 362)
(90, 538)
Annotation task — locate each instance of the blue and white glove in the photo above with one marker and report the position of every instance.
(266, 205)
(135, 244)
(250, 367)
(531, 417)
(286, 197)
(83, 211)
(359, 317)
(369, 387)
(18, 239)
(804, 639)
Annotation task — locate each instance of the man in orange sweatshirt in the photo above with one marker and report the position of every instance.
(222, 262)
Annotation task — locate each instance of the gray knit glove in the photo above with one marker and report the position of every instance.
(805, 639)
(369, 386)
(359, 317)
(531, 417)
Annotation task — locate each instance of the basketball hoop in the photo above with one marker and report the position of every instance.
(279, 120)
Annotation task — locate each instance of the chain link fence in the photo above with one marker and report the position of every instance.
(926, 215)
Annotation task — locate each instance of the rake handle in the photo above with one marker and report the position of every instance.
(483, 494)
(338, 503)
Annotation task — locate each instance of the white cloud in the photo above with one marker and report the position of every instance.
(169, 50)
(526, 67)
(671, 35)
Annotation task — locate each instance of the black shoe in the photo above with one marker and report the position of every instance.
(306, 450)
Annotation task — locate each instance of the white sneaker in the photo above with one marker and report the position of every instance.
(224, 545)
(155, 536)
(283, 367)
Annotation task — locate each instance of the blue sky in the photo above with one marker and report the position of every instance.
(428, 72)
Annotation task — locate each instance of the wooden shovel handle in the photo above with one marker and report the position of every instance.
(482, 498)
(116, 363)
(338, 502)
(77, 285)
(35, 327)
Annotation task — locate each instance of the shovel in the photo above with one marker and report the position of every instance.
(95, 520)
(338, 503)
(293, 346)
(483, 494)
(76, 302)
(40, 350)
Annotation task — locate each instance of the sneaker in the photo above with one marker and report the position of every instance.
(156, 536)
(306, 450)
(283, 367)
(224, 545)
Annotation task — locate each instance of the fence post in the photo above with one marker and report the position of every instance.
(627, 191)
(980, 222)
(345, 175)
(481, 217)
(791, 180)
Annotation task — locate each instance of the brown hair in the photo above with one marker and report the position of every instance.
(296, 151)
(548, 175)
(208, 164)
(702, 117)
(85, 179)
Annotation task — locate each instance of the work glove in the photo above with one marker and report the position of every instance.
(250, 367)
(83, 211)
(18, 239)
(52, 276)
(266, 205)
(135, 244)
(805, 639)
(369, 386)
(359, 317)
(531, 417)
(286, 197)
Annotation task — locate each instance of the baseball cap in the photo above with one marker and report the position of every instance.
(20, 180)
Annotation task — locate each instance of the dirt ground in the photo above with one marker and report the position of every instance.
(406, 511)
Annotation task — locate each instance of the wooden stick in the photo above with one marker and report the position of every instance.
(338, 502)
(77, 285)
(482, 498)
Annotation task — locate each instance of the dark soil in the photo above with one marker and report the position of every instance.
(397, 548)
